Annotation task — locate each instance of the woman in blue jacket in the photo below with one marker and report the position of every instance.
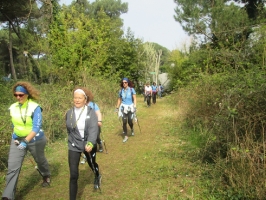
(154, 92)
(126, 105)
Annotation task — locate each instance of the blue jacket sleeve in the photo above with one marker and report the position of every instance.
(37, 120)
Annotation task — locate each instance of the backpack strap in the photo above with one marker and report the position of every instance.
(131, 94)
(120, 93)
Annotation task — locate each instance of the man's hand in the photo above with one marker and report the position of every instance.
(116, 110)
(22, 145)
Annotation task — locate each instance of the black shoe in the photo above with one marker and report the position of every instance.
(97, 181)
(46, 181)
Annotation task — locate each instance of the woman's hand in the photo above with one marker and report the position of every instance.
(99, 123)
(88, 148)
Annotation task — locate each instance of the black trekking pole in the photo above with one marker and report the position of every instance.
(120, 122)
(94, 171)
(103, 139)
(104, 144)
(36, 167)
(136, 120)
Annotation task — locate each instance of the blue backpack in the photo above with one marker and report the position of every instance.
(161, 88)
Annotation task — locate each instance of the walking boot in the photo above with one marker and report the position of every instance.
(46, 181)
(97, 181)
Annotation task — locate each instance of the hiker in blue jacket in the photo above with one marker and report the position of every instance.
(126, 105)
(160, 91)
(154, 92)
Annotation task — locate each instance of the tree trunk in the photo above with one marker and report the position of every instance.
(10, 45)
(157, 65)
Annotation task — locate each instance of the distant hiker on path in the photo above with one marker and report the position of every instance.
(26, 116)
(144, 95)
(154, 92)
(160, 90)
(148, 93)
(126, 105)
(82, 128)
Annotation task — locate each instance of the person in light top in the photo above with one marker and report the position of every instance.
(148, 93)
(82, 128)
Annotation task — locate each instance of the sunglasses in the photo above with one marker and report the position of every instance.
(124, 82)
(19, 95)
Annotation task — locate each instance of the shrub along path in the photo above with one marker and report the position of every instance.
(153, 164)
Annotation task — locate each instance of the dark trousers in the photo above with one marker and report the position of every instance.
(73, 161)
(148, 97)
(154, 94)
(127, 118)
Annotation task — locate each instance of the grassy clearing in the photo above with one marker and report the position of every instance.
(154, 164)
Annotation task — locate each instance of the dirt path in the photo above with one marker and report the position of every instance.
(150, 165)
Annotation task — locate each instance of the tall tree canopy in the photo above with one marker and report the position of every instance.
(224, 29)
(216, 17)
(113, 8)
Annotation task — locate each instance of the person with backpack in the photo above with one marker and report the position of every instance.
(96, 108)
(160, 91)
(126, 105)
(154, 92)
(27, 135)
(82, 128)
(148, 94)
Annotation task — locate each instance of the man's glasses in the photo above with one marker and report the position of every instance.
(124, 82)
(19, 95)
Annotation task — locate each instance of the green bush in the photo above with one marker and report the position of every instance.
(228, 112)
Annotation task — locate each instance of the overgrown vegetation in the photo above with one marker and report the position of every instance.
(219, 81)
(222, 80)
(227, 114)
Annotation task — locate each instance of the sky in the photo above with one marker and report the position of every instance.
(153, 21)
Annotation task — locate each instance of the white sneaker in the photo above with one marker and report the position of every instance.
(83, 161)
(125, 139)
